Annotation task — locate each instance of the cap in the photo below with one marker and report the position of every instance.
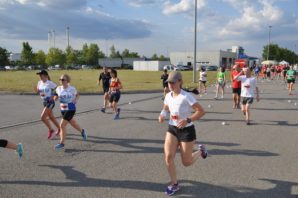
(174, 76)
(42, 72)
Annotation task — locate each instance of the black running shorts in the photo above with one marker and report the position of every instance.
(68, 115)
(247, 100)
(236, 91)
(115, 96)
(50, 104)
(187, 134)
(291, 81)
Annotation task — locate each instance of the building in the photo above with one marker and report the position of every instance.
(117, 62)
(149, 65)
(217, 58)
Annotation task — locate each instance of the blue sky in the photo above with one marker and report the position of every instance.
(149, 26)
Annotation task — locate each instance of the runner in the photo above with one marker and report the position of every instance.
(248, 85)
(236, 86)
(291, 76)
(46, 89)
(68, 97)
(257, 71)
(105, 77)
(221, 82)
(164, 78)
(285, 70)
(203, 80)
(115, 93)
(268, 73)
(181, 132)
(17, 147)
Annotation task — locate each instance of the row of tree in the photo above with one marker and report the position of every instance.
(279, 54)
(88, 55)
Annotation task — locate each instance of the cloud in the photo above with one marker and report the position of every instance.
(28, 19)
(182, 7)
(140, 3)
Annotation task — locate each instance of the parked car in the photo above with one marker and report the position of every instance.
(169, 67)
(182, 68)
(211, 68)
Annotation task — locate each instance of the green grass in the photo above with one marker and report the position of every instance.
(86, 80)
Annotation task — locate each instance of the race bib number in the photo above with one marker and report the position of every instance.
(64, 107)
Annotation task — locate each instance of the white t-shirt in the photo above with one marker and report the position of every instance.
(180, 107)
(203, 76)
(45, 89)
(248, 85)
(67, 97)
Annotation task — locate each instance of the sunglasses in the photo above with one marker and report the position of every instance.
(62, 79)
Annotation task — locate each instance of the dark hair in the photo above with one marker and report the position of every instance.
(203, 69)
(222, 69)
(165, 70)
(113, 71)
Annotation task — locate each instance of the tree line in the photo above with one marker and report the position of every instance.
(88, 55)
(279, 54)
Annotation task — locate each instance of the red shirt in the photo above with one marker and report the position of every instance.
(235, 83)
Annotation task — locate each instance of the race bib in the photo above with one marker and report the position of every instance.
(64, 107)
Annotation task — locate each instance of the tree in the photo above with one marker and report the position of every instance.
(114, 53)
(40, 58)
(3, 57)
(27, 54)
(162, 58)
(277, 53)
(84, 55)
(127, 54)
(154, 57)
(55, 57)
(93, 54)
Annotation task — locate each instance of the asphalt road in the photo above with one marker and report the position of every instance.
(124, 158)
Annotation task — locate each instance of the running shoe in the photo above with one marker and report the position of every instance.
(57, 133)
(172, 189)
(116, 117)
(84, 134)
(50, 134)
(20, 150)
(59, 146)
(103, 109)
(204, 152)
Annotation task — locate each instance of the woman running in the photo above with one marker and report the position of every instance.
(46, 89)
(17, 147)
(68, 97)
(115, 94)
(236, 86)
(221, 82)
(291, 76)
(181, 132)
(203, 80)
(105, 77)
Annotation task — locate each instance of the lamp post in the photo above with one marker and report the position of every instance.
(269, 42)
(195, 46)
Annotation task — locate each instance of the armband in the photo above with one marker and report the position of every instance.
(164, 113)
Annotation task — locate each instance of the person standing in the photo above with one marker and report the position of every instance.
(164, 78)
(203, 80)
(46, 89)
(9, 145)
(68, 97)
(181, 131)
(248, 85)
(105, 77)
(291, 76)
(221, 82)
(115, 93)
(236, 86)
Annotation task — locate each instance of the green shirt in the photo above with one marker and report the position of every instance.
(291, 74)
(220, 76)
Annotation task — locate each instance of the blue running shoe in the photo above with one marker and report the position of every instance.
(204, 152)
(172, 189)
(84, 134)
(116, 117)
(59, 146)
(20, 150)
(103, 110)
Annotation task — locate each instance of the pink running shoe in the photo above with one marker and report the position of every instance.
(50, 134)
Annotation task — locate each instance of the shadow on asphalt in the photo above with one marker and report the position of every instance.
(189, 188)
(135, 146)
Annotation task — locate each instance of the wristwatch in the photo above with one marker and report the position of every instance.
(188, 120)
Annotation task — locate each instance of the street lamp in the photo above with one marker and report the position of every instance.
(269, 42)
(195, 46)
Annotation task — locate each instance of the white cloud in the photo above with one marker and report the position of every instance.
(184, 6)
(252, 18)
(140, 3)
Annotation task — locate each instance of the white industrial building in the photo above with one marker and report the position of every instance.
(217, 58)
(14, 57)
(117, 62)
(149, 65)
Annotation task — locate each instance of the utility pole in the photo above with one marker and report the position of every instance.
(269, 42)
(195, 46)
(67, 36)
(53, 32)
(49, 38)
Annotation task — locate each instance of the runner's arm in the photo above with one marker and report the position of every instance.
(163, 113)
(257, 92)
(199, 112)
